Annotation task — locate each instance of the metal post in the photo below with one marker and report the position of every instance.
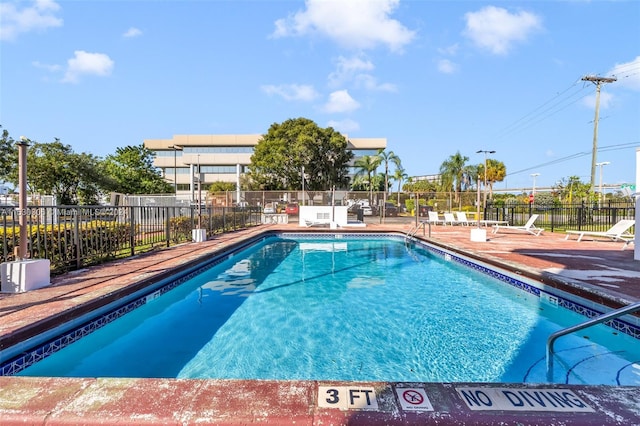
(533, 191)
(22, 200)
(199, 195)
(485, 171)
(175, 167)
(602, 164)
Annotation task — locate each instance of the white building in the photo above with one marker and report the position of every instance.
(222, 158)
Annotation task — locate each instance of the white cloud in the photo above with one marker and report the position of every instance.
(292, 92)
(85, 63)
(132, 32)
(495, 29)
(48, 67)
(606, 99)
(341, 101)
(37, 17)
(360, 24)
(449, 50)
(627, 74)
(346, 68)
(446, 66)
(350, 70)
(344, 126)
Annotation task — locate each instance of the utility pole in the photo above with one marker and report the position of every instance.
(598, 82)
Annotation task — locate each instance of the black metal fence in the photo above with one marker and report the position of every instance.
(75, 236)
(564, 216)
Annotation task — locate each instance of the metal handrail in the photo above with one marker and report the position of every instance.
(414, 230)
(593, 321)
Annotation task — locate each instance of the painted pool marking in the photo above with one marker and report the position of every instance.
(413, 399)
(347, 397)
(525, 399)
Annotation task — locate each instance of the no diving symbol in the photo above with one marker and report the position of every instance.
(413, 397)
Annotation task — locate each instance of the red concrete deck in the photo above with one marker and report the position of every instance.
(599, 270)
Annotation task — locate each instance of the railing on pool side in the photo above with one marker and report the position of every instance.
(591, 322)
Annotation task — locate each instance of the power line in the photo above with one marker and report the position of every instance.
(616, 147)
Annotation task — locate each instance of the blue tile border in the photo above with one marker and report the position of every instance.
(24, 360)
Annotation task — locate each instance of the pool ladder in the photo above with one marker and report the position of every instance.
(593, 321)
(414, 230)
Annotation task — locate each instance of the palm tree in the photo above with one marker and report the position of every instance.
(366, 166)
(496, 171)
(386, 158)
(399, 176)
(452, 172)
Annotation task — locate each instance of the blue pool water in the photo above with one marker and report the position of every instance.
(346, 309)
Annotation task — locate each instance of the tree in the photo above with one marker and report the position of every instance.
(399, 175)
(452, 173)
(278, 158)
(572, 189)
(367, 166)
(54, 169)
(220, 186)
(385, 159)
(8, 156)
(496, 171)
(132, 172)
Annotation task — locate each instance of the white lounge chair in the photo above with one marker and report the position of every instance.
(450, 219)
(618, 232)
(434, 218)
(527, 227)
(463, 220)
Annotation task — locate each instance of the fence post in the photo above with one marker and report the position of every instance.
(76, 237)
(132, 230)
(168, 226)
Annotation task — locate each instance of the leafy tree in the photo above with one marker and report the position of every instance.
(132, 172)
(420, 186)
(572, 189)
(222, 186)
(278, 158)
(8, 156)
(452, 173)
(53, 168)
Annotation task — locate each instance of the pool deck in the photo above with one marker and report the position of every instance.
(597, 270)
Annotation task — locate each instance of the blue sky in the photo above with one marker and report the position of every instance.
(433, 77)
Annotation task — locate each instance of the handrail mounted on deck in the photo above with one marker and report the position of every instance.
(593, 321)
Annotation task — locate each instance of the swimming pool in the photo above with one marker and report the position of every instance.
(351, 308)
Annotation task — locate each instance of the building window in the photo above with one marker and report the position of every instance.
(219, 150)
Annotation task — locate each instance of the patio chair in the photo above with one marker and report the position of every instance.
(527, 227)
(463, 220)
(451, 219)
(435, 219)
(618, 232)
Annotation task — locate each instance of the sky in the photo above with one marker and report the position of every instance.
(432, 77)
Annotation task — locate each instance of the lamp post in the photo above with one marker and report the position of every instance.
(533, 191)
(199, 195)
(602, 164)
(22, 200)
(175, 167)
(485, 171)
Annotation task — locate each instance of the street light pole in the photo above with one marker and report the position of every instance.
(175, 167)
(602, 164)
(533, 192)
(485, 171)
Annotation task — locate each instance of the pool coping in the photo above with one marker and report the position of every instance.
(612, 403)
